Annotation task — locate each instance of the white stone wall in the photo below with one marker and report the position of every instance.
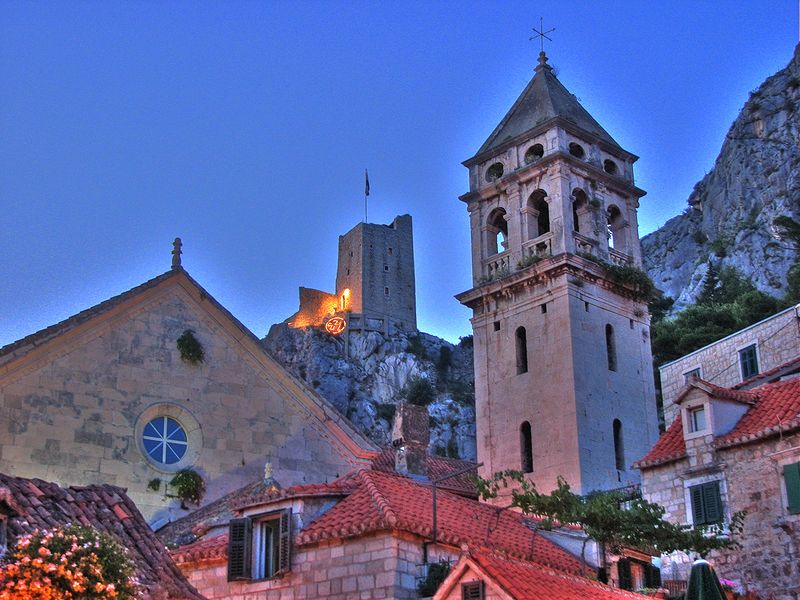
(372, 567)
(777, 339)
(74, 415)
(751, 479)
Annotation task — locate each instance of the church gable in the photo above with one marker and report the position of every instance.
(108, 399)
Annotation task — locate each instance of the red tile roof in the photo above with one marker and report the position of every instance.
(524, 580)
(669, 447)
(716, 391)
(41, 505)
(775, 408)
(385, 502)
(214, 549)
(438, 467)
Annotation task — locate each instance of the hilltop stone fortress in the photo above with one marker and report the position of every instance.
(375, 289)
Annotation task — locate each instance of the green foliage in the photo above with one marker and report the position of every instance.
(386, 412)
(417, 347)
(728, 302)
(444, 361)
(465, 341)
(437, 573)
(628, 276)
(528, 261)
(462, 392)
(720, 245)
(154, 484)
(418, 391)
(190, 348)
(189, 486)
(699, 237)
(613, 519)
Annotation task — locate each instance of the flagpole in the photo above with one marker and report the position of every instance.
(366, 192)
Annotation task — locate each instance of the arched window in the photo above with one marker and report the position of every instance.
(534, 153)
(611, 348)
(497, 229)
(616, 229)
(580, 208)
(521, 338)
(619, 446)
(526, 447)
(538, 214)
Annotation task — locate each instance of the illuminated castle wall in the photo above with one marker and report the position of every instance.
(375, 284)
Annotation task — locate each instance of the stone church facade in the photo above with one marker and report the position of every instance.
(105, 397)
(563, 366)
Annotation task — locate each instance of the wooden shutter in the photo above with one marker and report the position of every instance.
(712, 503)
(624, 573)
(239, 547)
(472, 590)
(698, 514)
(285, 542)
(791, 477)
(652, 576)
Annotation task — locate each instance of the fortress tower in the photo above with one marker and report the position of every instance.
(563, 366)
(376, 265)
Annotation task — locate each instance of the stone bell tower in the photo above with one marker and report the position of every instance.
(563, 366)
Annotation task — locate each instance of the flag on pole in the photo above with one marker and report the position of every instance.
(366, 182)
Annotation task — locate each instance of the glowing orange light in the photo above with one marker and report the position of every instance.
(345, 299)
(335, 325)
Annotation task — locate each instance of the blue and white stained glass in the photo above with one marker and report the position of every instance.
(165, 440)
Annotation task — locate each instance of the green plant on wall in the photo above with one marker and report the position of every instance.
(154, 484)
(190, 348)
(188, 486)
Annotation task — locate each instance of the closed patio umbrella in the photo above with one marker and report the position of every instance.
(703, 583)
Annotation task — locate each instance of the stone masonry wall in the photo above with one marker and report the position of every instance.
(777, 339)
(75, 416)
(769, 560)
(372, 567)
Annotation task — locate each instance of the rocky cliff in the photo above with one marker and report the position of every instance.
(365, 378)
(729, 219)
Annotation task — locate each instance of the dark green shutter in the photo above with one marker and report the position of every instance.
(712, 502)
(698, 514)
(239, 542)
(652, 576)
(285, 542)
(791, 477)
(624, 573)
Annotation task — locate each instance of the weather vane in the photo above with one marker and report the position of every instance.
(542, 34)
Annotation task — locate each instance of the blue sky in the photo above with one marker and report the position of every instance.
(245, 128)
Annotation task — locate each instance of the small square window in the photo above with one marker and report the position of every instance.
(630, 321)
(497, 325)
(386, 291)
(472, 590)
(697, 419)
(586, 306)
(544, 308)
(390, 250)
(385, 267)
(351, 253)
(691, 375)
(748, 360)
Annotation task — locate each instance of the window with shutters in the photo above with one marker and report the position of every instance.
(748, 361)
(472, 590)
(706, 503)
(259, 546)
(791, 479)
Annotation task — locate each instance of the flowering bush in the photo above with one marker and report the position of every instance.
(70, 563)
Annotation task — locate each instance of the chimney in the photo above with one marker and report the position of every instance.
(410, 437)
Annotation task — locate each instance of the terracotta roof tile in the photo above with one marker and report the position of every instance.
(523, 580)
(384, 501)
(777, 409)
(669, 447)
(716, 391)
(44, 505)
(213, 549)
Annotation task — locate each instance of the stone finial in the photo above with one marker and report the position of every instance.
(542, 58)
(269, 481)
(176, 253)
(267, 470)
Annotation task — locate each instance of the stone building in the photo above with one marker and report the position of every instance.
(375, 285)
(737, 360)
(731, 450)
(105, 397)
(563, 363)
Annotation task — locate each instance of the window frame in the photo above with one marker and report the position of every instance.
(242, 540)
(756, 358)
(687, 374)
(792, 495)
(700, 484)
